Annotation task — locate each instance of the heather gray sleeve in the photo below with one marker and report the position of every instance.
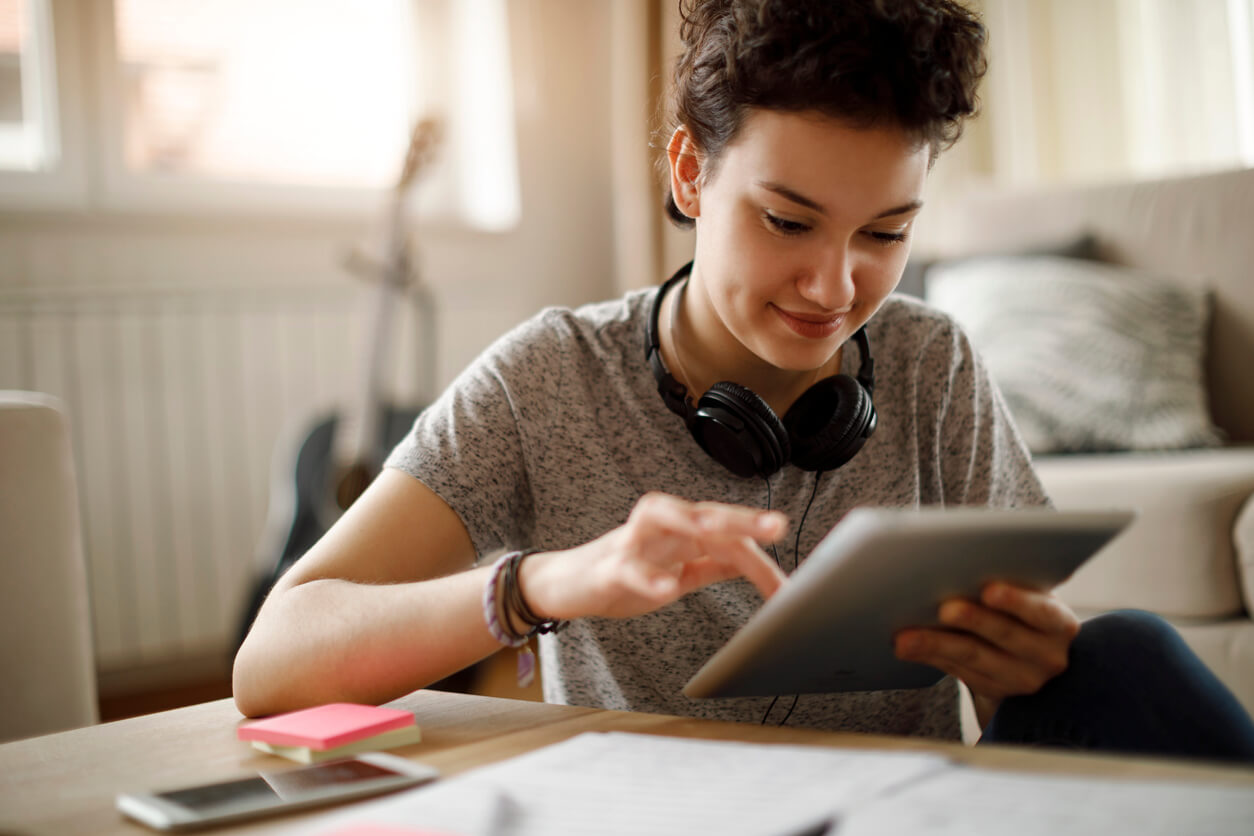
(980, 455)
(475, 444)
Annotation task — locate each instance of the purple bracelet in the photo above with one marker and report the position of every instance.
(499, 631)
(507, 568)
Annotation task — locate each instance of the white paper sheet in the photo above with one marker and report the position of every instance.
(620, 784)
(972, 802)
(617, 784)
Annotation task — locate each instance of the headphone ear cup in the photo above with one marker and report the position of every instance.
(829, 423)
(740, 431)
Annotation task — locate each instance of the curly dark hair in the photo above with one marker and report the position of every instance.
(911, 63)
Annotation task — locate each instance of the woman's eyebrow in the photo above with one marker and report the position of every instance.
(801, 200)
(912, 206)
(788, 194)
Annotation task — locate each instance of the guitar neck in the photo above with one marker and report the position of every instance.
(358, 441)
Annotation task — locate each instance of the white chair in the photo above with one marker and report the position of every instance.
(46, 656)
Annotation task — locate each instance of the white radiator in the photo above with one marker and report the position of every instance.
(177, 398)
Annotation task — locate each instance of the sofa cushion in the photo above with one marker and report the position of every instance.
(1090, 356)
(1178, 557)
(1227, 648)
(914, 276)
(1194, 229)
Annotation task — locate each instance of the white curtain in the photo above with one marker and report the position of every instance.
(1086, 90)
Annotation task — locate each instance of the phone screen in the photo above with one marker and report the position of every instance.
(274, 788)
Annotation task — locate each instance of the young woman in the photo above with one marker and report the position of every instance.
(632, 458)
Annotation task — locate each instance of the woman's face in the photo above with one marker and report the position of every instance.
(803, 229)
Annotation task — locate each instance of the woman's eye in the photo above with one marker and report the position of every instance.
(785, 226)
(887, 238)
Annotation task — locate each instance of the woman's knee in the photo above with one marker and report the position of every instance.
(1127, 631)
(1135, 645)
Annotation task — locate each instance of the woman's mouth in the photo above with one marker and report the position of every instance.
(811, 326)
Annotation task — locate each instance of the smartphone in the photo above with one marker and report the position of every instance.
(274, 792)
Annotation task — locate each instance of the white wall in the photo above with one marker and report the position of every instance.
(561, 252)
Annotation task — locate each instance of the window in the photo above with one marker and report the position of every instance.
(261, 105)
(28, 119)
(284, 91)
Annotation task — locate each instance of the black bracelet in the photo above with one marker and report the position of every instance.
(516, 604)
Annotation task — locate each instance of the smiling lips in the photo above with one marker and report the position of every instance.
(811, 326)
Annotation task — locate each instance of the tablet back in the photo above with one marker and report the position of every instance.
(831, 626)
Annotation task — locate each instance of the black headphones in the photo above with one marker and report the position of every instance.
(827, 425)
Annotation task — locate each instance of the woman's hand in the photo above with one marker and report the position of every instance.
(667, 548)
(1011, 642)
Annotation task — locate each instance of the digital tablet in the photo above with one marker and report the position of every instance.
(830, 627)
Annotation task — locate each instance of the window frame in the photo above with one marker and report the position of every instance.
(64, 183)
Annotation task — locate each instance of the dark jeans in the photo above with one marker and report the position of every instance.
(1132, 686)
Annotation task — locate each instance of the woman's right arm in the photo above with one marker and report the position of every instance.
(385, 604)
(380, 606)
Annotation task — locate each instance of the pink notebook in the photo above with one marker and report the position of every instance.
(326, 726)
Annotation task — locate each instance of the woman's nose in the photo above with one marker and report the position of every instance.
(829, 283)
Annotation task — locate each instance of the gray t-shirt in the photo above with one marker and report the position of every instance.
(551, 436)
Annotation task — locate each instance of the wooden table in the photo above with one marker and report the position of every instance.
(65, 783)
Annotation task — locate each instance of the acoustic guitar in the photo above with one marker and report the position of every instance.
(339, 457)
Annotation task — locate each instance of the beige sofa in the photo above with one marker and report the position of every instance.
(1190, 554)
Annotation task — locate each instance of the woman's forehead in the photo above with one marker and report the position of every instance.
(822, 158)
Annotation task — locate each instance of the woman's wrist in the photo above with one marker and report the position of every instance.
(511, 617)
(985, 708)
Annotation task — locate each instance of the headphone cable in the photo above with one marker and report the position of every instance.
(774, 551)
(796, 546)
(788, 714)
(796, 557)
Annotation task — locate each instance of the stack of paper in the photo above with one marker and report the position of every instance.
(335, 730)
(617, 784)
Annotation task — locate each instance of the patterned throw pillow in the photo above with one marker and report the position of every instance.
(1089, 356)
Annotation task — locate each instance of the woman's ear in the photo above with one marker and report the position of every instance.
(685, 166)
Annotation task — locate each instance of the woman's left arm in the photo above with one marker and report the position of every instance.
(1011, 642)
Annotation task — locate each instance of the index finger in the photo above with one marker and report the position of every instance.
(721, 520)
(680, 516)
